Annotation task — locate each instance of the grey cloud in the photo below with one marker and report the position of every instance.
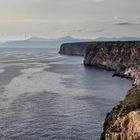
(77, 30)
(72, 31)
(99, 0)
(137, 17)
(119, 17)
(99, 30)
(86, 18)
(122, 23)
(126, 23)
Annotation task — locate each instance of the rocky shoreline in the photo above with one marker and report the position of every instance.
(123, 122)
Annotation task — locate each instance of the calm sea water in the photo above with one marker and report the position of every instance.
(46, 96)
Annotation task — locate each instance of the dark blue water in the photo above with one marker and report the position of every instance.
(46, 96)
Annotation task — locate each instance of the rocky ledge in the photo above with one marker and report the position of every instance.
(123, 122)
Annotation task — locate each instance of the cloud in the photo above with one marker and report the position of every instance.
(137, 17)
(73, 31)
(99, 0)
(126, 18)
(79, 17)
(119, 17)
(99, 30)
(122, 23)
(77, 30)
(26, 21)
(126, 23)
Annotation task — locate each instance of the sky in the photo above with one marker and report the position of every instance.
(21, 19)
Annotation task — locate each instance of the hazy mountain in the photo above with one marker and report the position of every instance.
(37, 39)
(118, 39)
(44, 42)
(62, 39)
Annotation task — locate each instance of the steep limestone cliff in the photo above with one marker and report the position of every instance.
(122, 57)
(123, 122)
(112, 54)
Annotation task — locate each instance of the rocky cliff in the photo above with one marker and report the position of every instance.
(110, 55)
(123, 122)
(122, 57)
(74, 48)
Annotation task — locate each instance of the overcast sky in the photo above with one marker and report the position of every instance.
(79, 18)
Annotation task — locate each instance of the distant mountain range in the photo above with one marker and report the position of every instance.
(44, 42)
(118, 39)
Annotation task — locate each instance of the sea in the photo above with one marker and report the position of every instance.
(48, 96)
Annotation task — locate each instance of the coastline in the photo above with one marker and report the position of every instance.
(124, 58)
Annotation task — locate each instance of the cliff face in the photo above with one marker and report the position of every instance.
(123, 57)
(112, 55)
(123, 122)
(74, 48)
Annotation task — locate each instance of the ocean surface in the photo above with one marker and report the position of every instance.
(47, 96)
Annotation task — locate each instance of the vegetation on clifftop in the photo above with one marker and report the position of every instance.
(131, 102)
